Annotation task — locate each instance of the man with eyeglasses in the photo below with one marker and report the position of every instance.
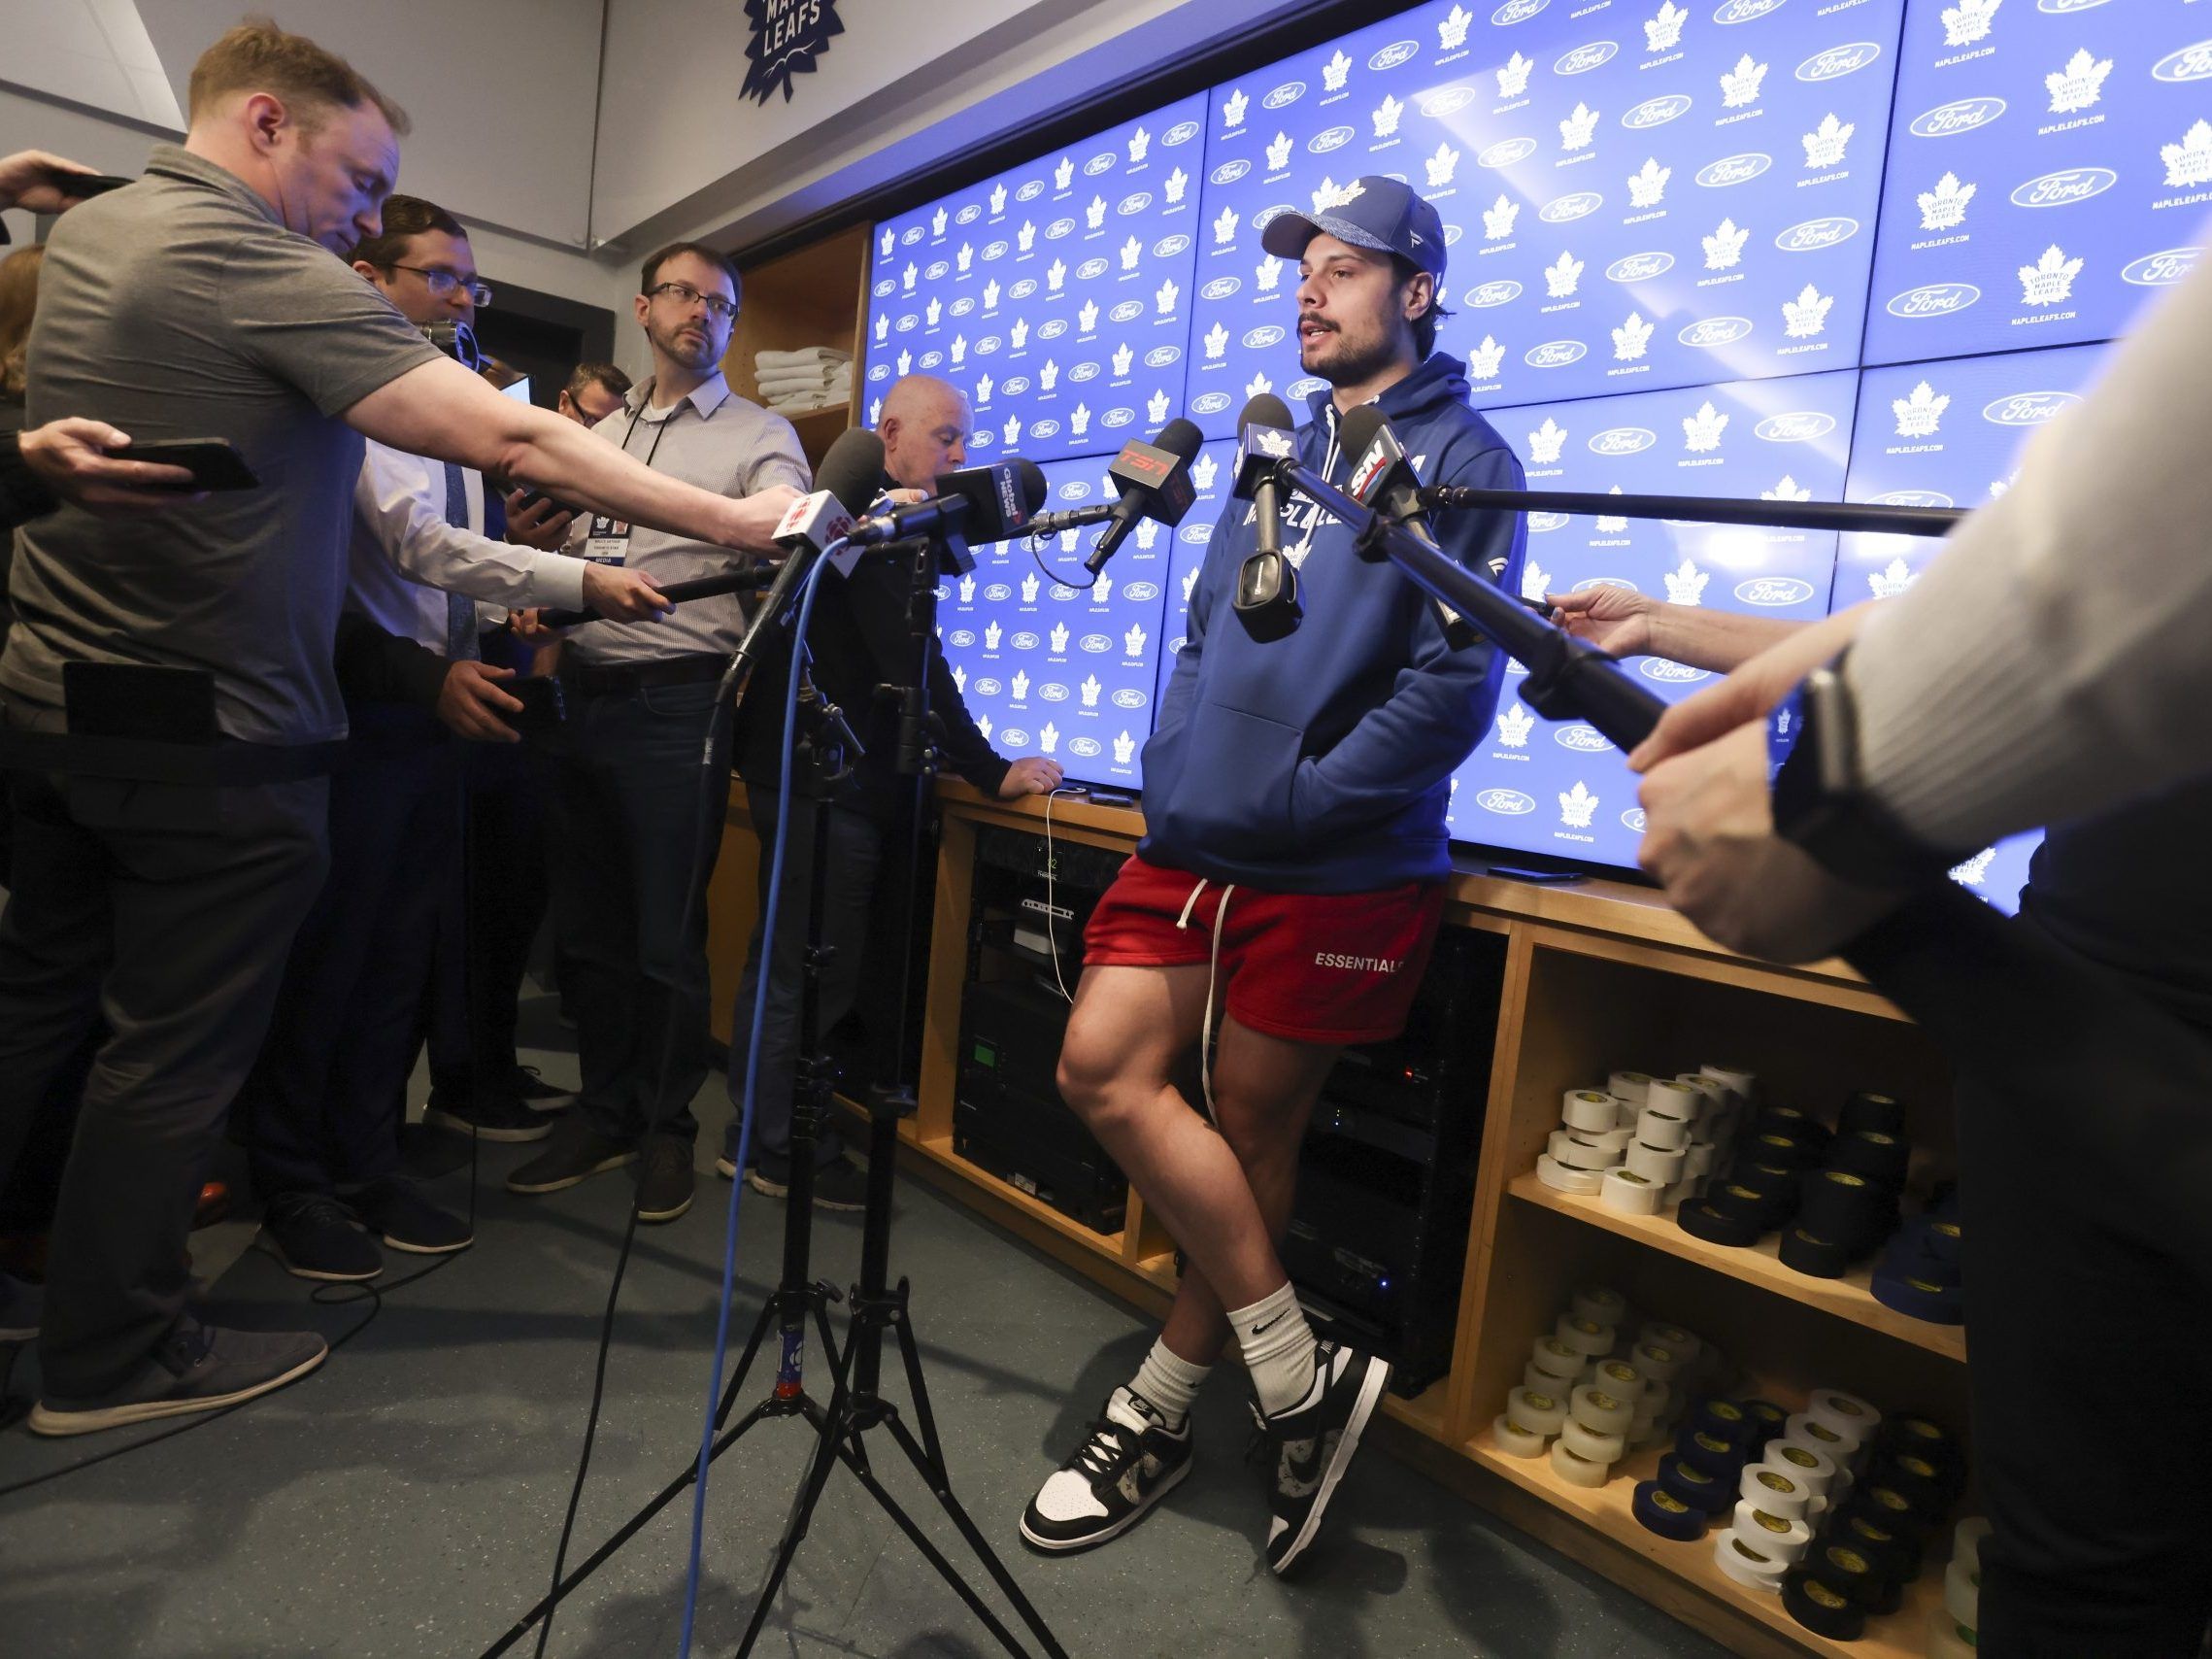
(595, 392)
(629, 816)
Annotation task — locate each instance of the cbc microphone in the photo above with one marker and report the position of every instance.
(1155, 483)
(1383, 482)
(978, 503)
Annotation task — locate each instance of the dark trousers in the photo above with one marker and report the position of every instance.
(487, 927)
(166, 909)
(855, 852)
(2074, 1265)
(630, 813)
(323, 1103)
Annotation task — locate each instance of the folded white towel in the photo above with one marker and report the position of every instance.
(787, 378)
(813, 356)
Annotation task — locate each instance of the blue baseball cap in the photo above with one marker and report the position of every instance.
(1383, 213)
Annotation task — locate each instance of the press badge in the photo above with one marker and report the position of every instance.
(609, 542)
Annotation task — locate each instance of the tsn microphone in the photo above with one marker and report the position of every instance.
(1155, 483)
(978, 503)
(1266, 601)
(1383, 482)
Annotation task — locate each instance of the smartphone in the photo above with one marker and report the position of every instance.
(81, 185)
(545, 705)
(1111, 798)
(531, 497)
(213, 463)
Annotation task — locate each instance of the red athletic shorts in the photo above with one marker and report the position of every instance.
(1324, 967)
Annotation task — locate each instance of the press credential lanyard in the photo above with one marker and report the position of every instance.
(610, 540)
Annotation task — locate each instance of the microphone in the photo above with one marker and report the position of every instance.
(1383, 482)
(978, 503)
(1266, 601)
(1155, 483)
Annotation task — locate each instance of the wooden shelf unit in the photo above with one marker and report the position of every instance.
(811, 296)
(1599, 975)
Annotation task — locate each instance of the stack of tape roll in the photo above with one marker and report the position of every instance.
(1643, 1144)
(1561, 1364)
(1588, 1145)
(1919, 1275)
(1954, 1628)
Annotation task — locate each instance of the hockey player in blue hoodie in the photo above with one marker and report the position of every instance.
(1293, 872)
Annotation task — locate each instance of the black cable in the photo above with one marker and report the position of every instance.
(1035, 545)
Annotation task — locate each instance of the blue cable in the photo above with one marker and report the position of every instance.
(752, 1085)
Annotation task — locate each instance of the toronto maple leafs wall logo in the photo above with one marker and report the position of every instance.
(788, 37)
(1514, 726)
(1498, 220)
(1825, 144)
(1664, 32)
(2189, 164)
(1944, 208)
(1968, 22)
(1387, 115)
(2079, 84)
(1788, 490)
(1546, 441)
(1576, 807)
(1807, 315)
(1887, 584)
(1686, 586)
(2050, 281)
(1919, 415)
(1630, 339)
(1564, 277)
(1513, 79)
(1702, 431)
(1726, 246)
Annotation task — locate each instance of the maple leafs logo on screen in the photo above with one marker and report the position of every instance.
(1059, 639)
(1703, 431)
(997, 199)
(960, 350)
(1079, 422)
(1089, 688)
(1890, 583)
(990, 636)
(1224, 227)
(1204, 471)
(937, 221)
(1807, 315)
(1564, 277)
(1919, 415)
(883, 328)
(1063, 175)
(991, 292)
(1578, 129)
(1968, 22)
(1442, 165)
(1513, 79)
(1484, 361)
(1133, 642)
(1740, 85)
(1095, 213)
(1535, 580)
(1631, 338)
(1164, 297)
(786, 40)
(1055, 274)
(1648, 187)
(1049, 376)
(1546, 441)
(1049, 739)
(1611, 523)
(1664, 33)
(1020, 676)
(1386, 117)
(1269, 274)
(1131, 251)
(890, 241)
(1452, 29)
(1334, 72)
(1726, 246)
(935, 311)
(2188, 162)
(983, 725)
(960, 679)
(967, 590)
(1278, 153)
(1686, 586)
(1253, 387)
(1513, 726)
(1140, 141)
(1217, 343)
(1088, 318)
(1498, 218)
(1190, 576)
(1975, 870)
(1067, 540)
(1576, 807)
(2079, 84)
(1027, 236)
(909, 277)
(2050, 281)
(1824, 144)
(1029, 585)
(1124, 354)
(1012, 430)
(1102, 589)
(1177, 182)
(1788, 490)
(875, 411)
(1018, 334)
(1124, 749)
(967, 256)
(905, 364)
(1233, 111)
(1944, 208)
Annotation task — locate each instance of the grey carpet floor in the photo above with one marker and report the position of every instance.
(406, 1499)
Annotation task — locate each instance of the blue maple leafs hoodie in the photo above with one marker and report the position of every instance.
(1321, 762)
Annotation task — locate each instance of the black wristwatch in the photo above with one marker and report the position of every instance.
(1820, 803)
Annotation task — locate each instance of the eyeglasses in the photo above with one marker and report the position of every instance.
(443, 282)
(685, 295)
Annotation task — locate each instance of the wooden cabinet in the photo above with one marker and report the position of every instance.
(812, 296)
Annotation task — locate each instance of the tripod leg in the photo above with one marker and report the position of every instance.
(752, 1343)
(833, 1426)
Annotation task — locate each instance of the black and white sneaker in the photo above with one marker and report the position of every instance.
(1314, 1441)
(1131, 1462)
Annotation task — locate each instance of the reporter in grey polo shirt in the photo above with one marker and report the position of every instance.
(205, 302)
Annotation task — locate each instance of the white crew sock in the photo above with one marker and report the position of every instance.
(1169, 1383)
(1278, 1347)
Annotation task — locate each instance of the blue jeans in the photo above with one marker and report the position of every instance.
(855, 854)
(630, 813)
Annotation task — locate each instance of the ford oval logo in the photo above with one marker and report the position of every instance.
(1230, 172)
(1053, 329)
(1075, 489)
(1167, 246)
(1508, 802)
(1160, 356)
(1114, 418)
(963, 637)
(1733, 169)
(1058, 229)
(883, 288)
(1181, 132)
(1561, 210)
(998, 593)
(2065, 188)
(1095, 643)
(1086, 747)
(1128, 310)
(1089, 269)
(1714, 331)
(1198, 535)
(2189, 63)
(1448, 102)
(1025, 642)
(1083, 372)
(1671, 673)
(1335, 138)
(2028, 408)
(913, 235)
(1044, 428)
(968, 215)
(1933, 299)
(1014, 385)
(988, 345)
(1633, 820)
(1657, 111)
(1492, 293)
(936, 271)
(1022, 289)
(1013, 737)
(1210, 404)
(1030, 190)
(1621, 441)
(963, 305)
(1139, 590)
(1963, 115)
(1393, 54)
(1103, 162)
(1268, 334)
(1800, 426)
(1517, 11)
(1639, 267)
(995, 251)
(1838, 60)
(1284, 96)
(1914, 498)
(1583, 740)
(931, 360)
(1305, 388)
(1774, 591)
(1052, 692)
(1555, 354)
(2161, 270)
(882, 371)
(1221, 287)
(1817, 233)
(1506, 152)
(1586, 57)
(1267, 216)
(1129, 696)
(1546, 521)
(1134, 202)
(909, 322)
(1744, 10)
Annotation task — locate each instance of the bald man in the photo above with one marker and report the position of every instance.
(857, 641)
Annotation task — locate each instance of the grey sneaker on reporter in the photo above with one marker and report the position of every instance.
(195, 1367)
